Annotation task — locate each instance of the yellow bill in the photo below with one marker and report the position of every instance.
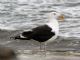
(61, 17)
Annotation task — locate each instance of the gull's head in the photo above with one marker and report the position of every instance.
(56, 15)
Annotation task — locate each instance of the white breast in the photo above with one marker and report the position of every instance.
(55, 28)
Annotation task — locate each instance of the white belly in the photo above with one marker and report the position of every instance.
(51, 39)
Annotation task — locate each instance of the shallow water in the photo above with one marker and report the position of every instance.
(22, 15)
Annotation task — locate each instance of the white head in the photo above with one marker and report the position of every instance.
(56, 15)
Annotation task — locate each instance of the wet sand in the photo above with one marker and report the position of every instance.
(52, 57)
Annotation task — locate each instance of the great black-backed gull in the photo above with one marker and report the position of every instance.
(45, 33)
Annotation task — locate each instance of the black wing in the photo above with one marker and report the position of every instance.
(43, 27)
(41, 33)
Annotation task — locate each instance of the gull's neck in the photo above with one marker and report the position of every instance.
(53, 23)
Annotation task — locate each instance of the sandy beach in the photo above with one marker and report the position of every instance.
(53, 57)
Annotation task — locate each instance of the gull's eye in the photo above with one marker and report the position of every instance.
(54, 13)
